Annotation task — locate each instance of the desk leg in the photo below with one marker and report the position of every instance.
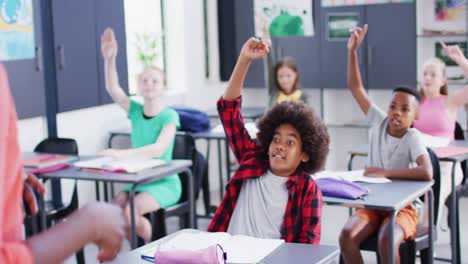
(220, 170)
(453, 228)
(431, 227)
(42, 213)
(106, 193)
(392, 237)
(131, 199)
(98, 196)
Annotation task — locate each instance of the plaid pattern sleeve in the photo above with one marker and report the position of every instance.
(233, 123)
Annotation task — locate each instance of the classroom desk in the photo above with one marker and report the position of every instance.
(454, 232)
(135, 179)
(206, 135)
(285, 253)
(391, 197)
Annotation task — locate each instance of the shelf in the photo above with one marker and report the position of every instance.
(441, 36)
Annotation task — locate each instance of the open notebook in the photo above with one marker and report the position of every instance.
(238, 248)
(353, 176)
(120, 165)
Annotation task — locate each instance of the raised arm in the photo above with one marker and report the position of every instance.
(109, 54)
(354, 74)
(458, 98)
(253, 49)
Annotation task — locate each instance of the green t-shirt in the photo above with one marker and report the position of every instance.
(145, 131)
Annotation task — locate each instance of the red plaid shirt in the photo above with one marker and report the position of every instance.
(301, 222)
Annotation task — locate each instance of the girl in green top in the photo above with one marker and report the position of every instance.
(153, 132)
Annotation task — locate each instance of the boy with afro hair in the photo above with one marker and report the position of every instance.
(271, 194)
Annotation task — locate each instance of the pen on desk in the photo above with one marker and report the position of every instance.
(148, 258)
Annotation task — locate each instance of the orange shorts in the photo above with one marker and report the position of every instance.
(407, 218)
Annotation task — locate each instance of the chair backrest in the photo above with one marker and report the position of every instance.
(184, 148)
(459, 134)
(436, 178)
(66, 146)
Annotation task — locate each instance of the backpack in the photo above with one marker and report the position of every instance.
(192, 120)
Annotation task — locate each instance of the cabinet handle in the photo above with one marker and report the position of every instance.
(370, 51)
(38, 56)
(61, 55)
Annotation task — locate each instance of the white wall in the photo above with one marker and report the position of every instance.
(187, 85)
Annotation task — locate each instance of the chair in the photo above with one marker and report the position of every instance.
(421, 242)
(57, 211)
(184, 148)
(460, 191)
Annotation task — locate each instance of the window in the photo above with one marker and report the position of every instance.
(144, 26)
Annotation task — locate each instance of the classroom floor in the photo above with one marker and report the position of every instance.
(333, 216)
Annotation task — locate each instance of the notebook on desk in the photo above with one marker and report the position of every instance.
(47, 160)
(116, 165)
(239, 248)
(352, 176)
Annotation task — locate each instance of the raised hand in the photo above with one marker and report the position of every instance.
(254, 49)
(110, 228)
(108, 44)
(356, 37)
(454, 52)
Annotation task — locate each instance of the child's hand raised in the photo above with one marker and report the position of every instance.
(108, 44)
(254, 49)
(356, 37)
(454, 52)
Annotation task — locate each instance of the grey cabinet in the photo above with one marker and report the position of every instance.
(304, 49)
(334, 51)
(77, 29)
(26, 79)
(391, 46)
(387, 56)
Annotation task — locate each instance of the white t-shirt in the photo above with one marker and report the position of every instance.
(260, 207)
(389, 152)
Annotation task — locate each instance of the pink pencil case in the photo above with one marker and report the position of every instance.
(53, 168)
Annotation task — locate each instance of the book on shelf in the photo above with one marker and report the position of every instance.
(434, 32)
(130, 165)
(47, 160)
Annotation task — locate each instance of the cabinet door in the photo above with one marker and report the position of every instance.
(391, 55)
(334, 51)
(76, 62)
(245, 29)
(110, 13)
(26, 79)
(306, 52)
